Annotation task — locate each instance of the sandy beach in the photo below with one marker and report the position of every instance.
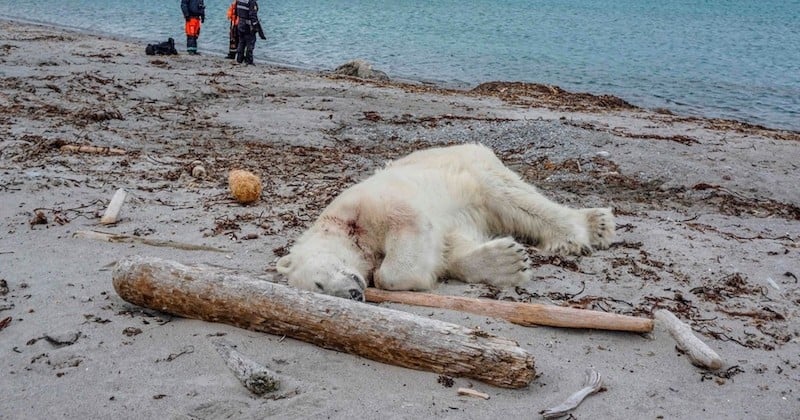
(707, 213)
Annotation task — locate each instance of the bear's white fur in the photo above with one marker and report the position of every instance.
(451, 211)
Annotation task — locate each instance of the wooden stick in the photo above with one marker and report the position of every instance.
(111, 214)
(473, 393)
(117, 237)
(699, 353)
(92, 149)
(255, 377)
(380, 334)
(527, 314)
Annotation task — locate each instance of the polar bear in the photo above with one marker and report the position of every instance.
(449, 211)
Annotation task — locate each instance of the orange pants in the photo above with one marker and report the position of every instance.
(193, 27)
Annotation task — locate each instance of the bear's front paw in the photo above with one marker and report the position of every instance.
(590, 229)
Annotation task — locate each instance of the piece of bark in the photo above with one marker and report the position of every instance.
(255, 377)
(527, 314)
(699, 353)
(92, 149)
(116, 237)
(380, 334)
(39, 218)
(5, 322)
(111, 214)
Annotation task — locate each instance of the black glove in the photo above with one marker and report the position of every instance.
(203, 19)
(186, 18)
(259, 31)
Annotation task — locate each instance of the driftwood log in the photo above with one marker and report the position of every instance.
(380, 334)
(527, 314)
(118, 237)
(699, 352)
(255, 377)
(91, 149)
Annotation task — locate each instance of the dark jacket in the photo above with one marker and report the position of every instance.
(193, 8)
(247, 12)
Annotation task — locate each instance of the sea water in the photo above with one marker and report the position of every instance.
(736, 59)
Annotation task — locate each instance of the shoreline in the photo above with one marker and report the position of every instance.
(708, 226)
(558, 98)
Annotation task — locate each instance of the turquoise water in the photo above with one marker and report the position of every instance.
(735, 59)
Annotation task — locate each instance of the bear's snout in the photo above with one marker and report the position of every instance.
(356, 294)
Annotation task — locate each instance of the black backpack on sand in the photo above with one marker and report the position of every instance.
(163, 48)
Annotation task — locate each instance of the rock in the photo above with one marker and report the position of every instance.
(360, 69)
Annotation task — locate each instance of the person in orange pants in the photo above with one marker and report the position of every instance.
(233, 33)
(194, 12)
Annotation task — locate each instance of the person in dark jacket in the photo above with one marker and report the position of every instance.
(248, 26)
(194, 12)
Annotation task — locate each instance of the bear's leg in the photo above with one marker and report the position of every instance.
(413, 259)
(524, 212)
(499, 262)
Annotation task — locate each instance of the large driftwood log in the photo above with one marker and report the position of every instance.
(527, 314)
(380, 334)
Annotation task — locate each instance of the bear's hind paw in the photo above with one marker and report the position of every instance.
(568, 247)
(500, 262)
(600, 226)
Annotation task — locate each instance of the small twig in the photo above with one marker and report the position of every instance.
(152, 159)
(92, 149)
(697, 216)
(173, 356)
(570, 296)
(473, 393)
(702, 228)
(592, 384)
(73, 209)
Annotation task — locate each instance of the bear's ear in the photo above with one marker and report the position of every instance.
(285, 264)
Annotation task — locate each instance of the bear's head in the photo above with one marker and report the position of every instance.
(333, 270)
